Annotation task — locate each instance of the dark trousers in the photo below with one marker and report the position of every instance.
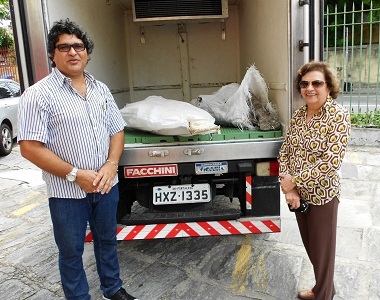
(318, 232)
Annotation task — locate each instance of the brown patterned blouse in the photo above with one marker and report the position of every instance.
(313, 152)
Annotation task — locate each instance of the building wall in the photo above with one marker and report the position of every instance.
(357, 65)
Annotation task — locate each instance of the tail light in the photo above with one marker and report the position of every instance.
(267, 168)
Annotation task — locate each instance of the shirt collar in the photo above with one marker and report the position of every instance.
(62, 78)
(329, 102)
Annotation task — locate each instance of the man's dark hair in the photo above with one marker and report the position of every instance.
(67, 27)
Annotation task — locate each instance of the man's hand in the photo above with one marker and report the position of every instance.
(103, 182)
(85, 180)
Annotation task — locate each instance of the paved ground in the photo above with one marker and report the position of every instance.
(266, 266)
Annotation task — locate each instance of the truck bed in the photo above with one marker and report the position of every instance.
(134, 136)
(142, 148)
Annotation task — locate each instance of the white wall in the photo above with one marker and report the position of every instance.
(105, 25)
(264, 42)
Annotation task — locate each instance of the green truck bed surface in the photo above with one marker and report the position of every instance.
(134, 136)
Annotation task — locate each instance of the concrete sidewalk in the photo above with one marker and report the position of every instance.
(357, 272)
(263, 266)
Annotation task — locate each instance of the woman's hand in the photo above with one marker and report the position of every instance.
(286, 183)
(293, 198)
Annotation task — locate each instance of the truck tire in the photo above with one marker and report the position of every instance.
(6, 140)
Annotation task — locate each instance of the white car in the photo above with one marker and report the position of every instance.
(9, 98)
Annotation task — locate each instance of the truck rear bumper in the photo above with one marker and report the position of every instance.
(250, 225)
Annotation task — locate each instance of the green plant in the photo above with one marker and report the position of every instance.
(367, 119)
(5, 39)
(4, 10)
(352, 17)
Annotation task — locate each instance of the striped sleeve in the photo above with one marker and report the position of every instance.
(32, 117)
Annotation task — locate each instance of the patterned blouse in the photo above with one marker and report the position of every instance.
(313, 152)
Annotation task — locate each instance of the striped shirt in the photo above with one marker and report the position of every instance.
(75, 128)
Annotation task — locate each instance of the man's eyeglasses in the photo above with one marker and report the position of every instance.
(315, 83)
(67, 47)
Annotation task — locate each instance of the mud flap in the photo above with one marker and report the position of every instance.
(265, 197)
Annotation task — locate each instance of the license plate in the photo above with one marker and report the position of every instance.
(181, 194)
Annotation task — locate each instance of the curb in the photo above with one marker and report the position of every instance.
(365, 137)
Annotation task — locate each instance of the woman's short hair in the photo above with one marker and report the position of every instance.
(66, 27)
(330, 77)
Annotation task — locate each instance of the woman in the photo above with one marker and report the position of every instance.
(310, 158)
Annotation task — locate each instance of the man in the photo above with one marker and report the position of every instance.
(71, 127)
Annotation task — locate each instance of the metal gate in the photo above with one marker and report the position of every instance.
(352, 47)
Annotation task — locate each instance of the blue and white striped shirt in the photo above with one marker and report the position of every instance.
(78, 130)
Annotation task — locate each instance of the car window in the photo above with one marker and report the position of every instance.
(5, 92)
(15, 88)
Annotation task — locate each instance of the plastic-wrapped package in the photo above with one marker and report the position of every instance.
(168, 117)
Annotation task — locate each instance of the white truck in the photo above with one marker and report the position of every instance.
(201, 185)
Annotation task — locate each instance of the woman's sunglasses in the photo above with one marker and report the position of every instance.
(315, 83)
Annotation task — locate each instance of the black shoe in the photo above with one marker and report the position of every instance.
(121, 295)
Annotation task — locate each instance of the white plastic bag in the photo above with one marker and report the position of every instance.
(245, 106)
(168, 117)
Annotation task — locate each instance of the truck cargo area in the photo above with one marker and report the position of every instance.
(180, 58)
